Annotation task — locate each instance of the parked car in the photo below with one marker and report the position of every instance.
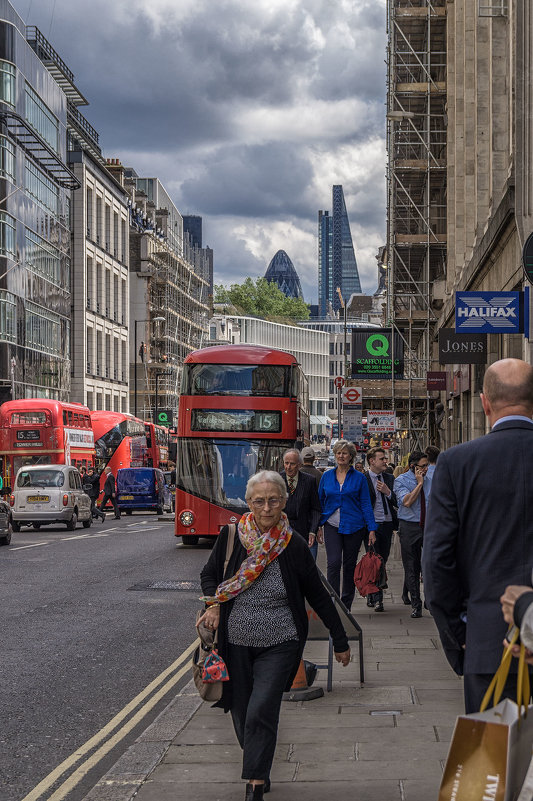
(169, 492)
(6, 528)
(47, 494)
(140, 488)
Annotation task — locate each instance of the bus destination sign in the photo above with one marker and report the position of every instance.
(238, 420)
(28, 434)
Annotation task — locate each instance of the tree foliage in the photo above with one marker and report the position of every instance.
(261, 298)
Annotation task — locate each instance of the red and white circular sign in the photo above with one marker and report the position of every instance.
(339, 382)
(352, 395)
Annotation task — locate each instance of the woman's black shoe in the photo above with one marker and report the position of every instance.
(254, 793)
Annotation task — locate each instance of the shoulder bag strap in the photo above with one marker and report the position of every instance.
(229, 546)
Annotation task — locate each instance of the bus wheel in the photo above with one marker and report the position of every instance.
(37, 525)
(15, 526)
(71, 525)
(188, 539)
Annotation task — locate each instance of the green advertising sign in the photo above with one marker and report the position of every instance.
(164, 417)
(372, 353)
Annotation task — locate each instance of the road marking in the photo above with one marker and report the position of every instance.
(152, 528)
(22, 547)
(84, 768)
(78, 537)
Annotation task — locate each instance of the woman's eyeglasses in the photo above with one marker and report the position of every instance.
(258, 503)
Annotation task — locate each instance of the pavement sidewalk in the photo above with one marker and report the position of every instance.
(386, 740)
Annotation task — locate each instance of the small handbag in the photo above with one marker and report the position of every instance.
(209, 670)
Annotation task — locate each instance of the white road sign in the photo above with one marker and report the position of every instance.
(380, 421)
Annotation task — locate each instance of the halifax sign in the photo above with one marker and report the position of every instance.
(492, 312)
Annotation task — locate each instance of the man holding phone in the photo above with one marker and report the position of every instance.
(412, 492)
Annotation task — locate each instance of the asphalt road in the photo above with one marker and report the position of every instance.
(77, 643)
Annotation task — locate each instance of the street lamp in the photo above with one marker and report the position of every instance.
(135, 354)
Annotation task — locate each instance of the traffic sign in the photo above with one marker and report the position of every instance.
(352, 396)
(385, 444)
(339, 382)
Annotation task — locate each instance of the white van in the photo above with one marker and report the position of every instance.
(45, 494)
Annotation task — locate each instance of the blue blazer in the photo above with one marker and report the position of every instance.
(478, 538)
(354, 501)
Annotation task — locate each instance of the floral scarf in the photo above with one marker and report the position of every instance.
(261, 549)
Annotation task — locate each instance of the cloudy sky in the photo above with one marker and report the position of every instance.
(247, 110)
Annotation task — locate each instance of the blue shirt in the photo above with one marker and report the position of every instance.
(353, 501)
(405, 484)
(512, 417)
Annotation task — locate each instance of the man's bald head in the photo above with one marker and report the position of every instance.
(508, 389)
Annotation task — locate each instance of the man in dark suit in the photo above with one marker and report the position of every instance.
(479, 530)
(303, 507)
(384, 503)
(110, 492)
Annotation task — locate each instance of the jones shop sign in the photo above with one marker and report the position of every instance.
(462, 348)
(372, 353)
(489, 312)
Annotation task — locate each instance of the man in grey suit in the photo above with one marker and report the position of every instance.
(479, 530)
(384, 503)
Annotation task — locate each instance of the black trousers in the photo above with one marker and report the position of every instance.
(476, 685)
(258, 679)
(341, 552)
(411, 536)
(113, 499)
(382, 546)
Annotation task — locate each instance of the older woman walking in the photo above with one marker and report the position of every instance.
(347, 517)
(258, 607)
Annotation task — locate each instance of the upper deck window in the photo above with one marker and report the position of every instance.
(236, 379)
(28, 418)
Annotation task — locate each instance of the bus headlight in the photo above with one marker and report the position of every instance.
(186, 518)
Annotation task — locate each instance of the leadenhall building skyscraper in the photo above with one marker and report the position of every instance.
(337, 265)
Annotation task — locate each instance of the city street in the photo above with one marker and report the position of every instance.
(81, 638)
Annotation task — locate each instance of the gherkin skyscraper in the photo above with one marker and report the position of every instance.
(337, 265)
(281, 272)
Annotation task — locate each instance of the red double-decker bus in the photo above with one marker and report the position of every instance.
(157, 444)
(119, 440)
(241, 407)
(42, 431)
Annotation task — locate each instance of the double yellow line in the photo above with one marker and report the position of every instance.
(106, 736)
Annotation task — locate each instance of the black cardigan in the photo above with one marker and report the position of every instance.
(302, 581)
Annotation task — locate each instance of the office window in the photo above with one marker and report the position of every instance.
(90, 350)
(90, 213)
(8, 79)
(43, 330)
(43, 258)
(8, 317)
(331, 348)
(124, 299)
(108, 356)
(115, 360)
(107, 293)
(41, 188)
(107, 227)
(115, 297)
(99, 354)
(123, 240)
(41, 119)
(101, 288)
(90, 283)
(123, 361)
(90, 400)
(7, 159)
(8, 245)
(115, 234)
(99, 220)
(108, 402)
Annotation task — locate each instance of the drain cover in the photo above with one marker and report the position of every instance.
(183, 586)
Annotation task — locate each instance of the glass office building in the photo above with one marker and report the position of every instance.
(35, 184)
(281, 272)
(337, 265)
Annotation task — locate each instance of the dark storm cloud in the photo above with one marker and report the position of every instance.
(247, 112)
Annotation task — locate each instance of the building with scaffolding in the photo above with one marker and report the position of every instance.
(35, 184)
(415, 255)
(490, 182)
(169, 295)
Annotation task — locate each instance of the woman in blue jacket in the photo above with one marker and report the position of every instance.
(347, 517)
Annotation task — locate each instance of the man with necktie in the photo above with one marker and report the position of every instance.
(412, 491)
(383, 497)
(303, 507)
(479, 530)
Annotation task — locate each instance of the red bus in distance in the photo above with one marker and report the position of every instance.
(240, 408)
(119, 440)
(42, 431)
(157, 444)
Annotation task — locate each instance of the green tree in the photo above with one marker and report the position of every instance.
(261, 298)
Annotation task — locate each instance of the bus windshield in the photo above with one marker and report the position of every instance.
(236, 379)
(107, 444)
(218, 470)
